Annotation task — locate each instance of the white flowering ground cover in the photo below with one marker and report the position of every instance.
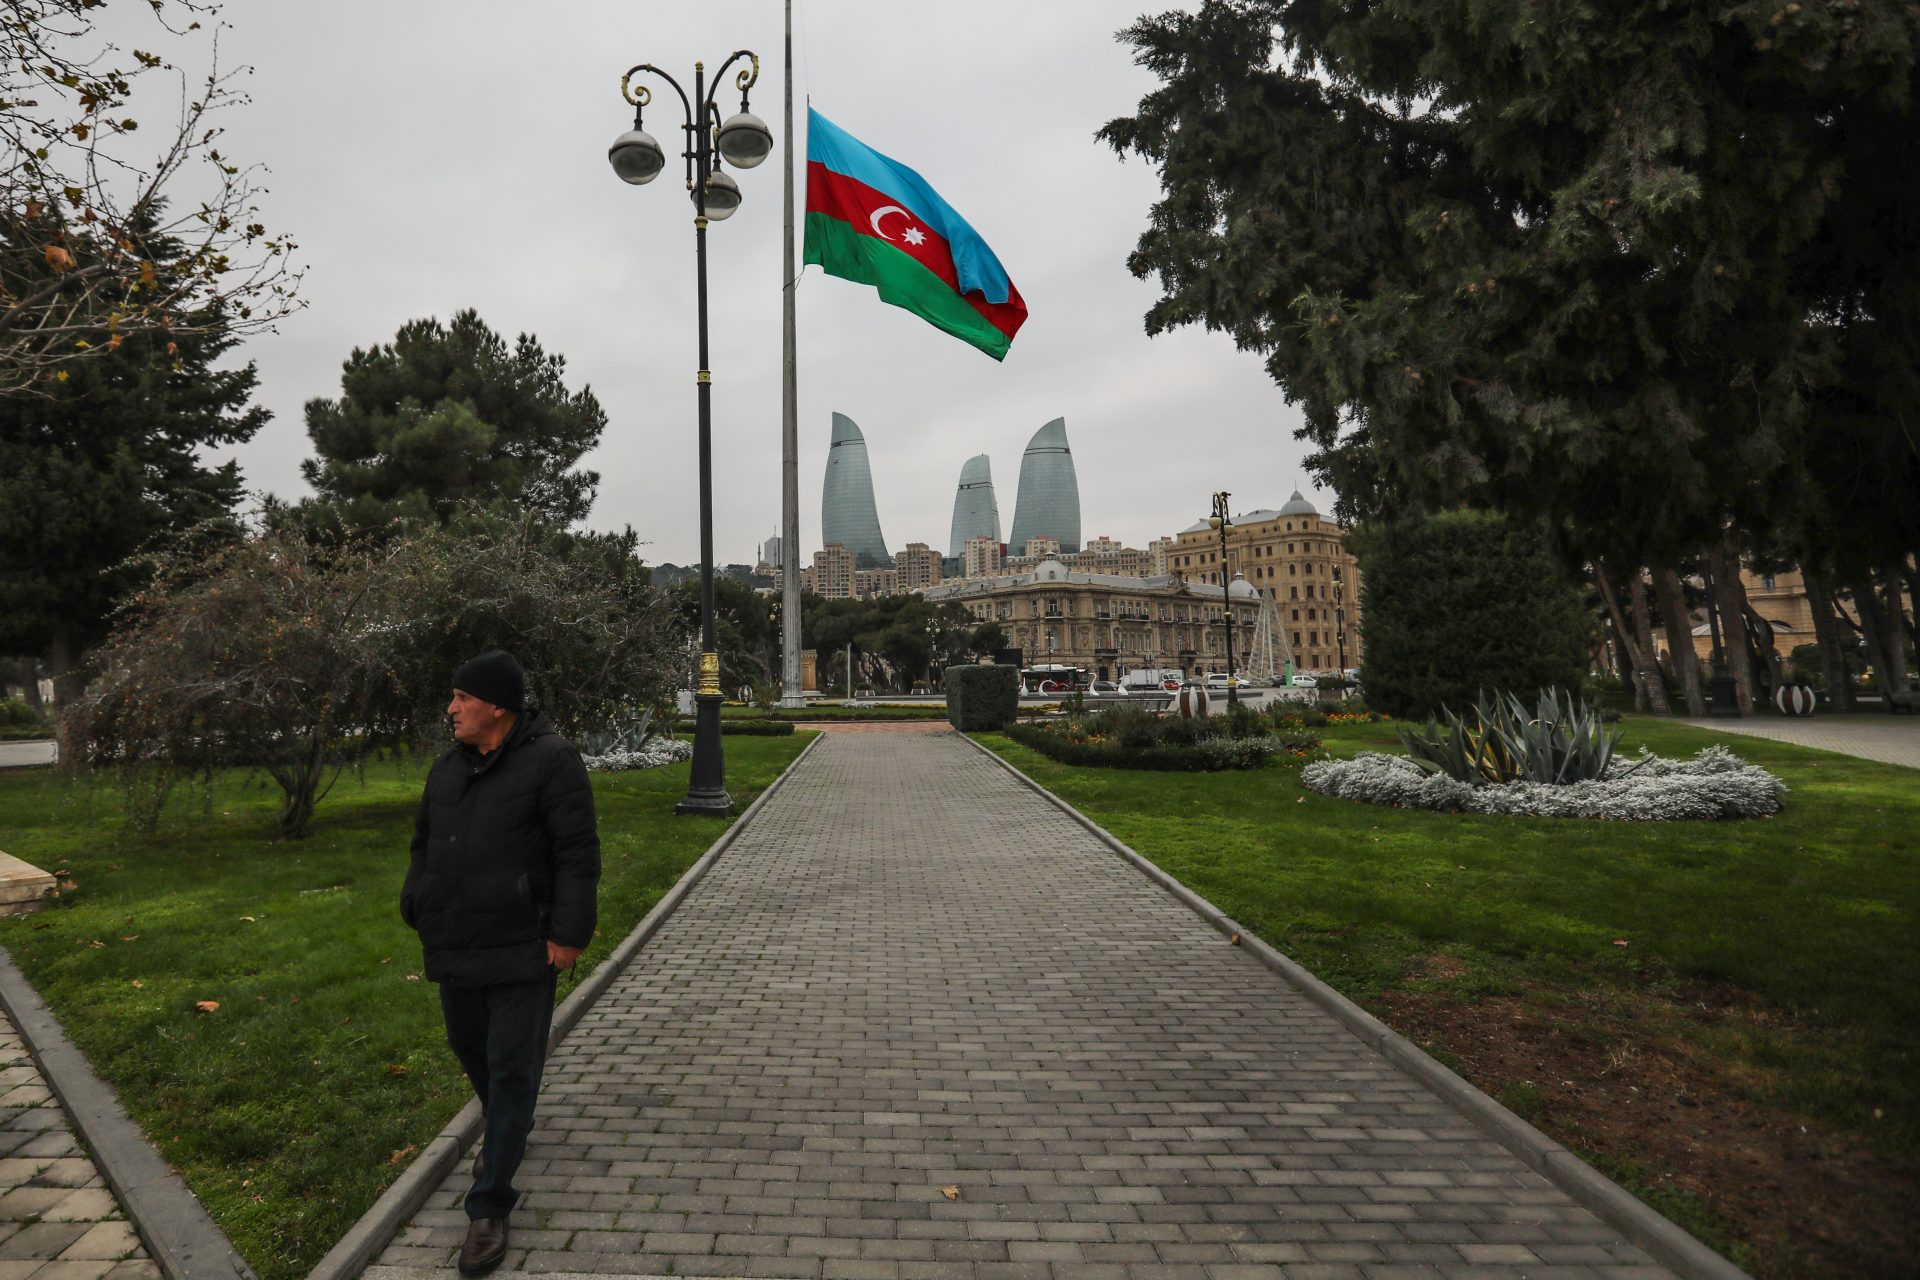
(1714, 784)
(651, 755)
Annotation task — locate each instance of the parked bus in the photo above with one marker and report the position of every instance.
(1053, 677)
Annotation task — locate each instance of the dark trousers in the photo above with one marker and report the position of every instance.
(500, 1036)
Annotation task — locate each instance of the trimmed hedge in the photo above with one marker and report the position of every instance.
(982, 698)
(1205, 755)
(756, 728)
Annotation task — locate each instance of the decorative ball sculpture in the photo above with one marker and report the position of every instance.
(1794, 699)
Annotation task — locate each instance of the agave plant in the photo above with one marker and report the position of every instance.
(1498, 741)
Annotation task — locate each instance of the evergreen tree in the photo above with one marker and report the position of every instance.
(1462, 602)
(446, 416)
(1604, 262)
(103, 463)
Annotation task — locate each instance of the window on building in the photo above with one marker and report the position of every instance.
(1296, 639)
(1293, 571)
(1310, 615)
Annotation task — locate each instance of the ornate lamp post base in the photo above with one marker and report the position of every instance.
(707, 793)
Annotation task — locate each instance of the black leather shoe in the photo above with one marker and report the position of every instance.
(486, 1245)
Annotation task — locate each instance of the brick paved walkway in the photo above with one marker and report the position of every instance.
(918, 1025)
(58, 1220)
(1888, 738)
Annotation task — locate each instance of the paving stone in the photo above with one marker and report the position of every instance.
(910, 973)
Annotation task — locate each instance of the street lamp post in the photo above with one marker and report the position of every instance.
(1340, 626)
(1222, 520)
(742, 141)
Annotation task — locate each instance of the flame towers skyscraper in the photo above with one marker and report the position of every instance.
(976, 513)
(847, 513)
(1049, 500)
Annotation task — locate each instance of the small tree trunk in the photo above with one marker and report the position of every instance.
(1826, 633)
(1882, 643)
(1636, 642)
(1643, 637)
(1766, 649)
(69, 686)
(1897, 632)
(1728, 594)
(1672, 599)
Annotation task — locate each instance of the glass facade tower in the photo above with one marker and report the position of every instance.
(1049, 500)
(847, 513)
(976, 513)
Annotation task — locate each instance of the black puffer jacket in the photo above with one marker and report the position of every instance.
(506, 855)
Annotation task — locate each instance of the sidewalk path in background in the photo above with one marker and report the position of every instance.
(58, 1220)
(1890, 739)
(15, 755)
(916, 1023)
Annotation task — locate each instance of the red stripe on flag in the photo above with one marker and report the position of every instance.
(855, 203)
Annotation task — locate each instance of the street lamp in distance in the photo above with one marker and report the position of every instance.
(637, 157)
(1222, 520)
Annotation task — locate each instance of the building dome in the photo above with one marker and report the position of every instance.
(1241, 587)
(1297, 505)
(1049, 571)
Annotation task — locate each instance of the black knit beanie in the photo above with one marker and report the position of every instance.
(496, 677)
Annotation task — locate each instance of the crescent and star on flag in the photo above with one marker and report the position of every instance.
(912, 235)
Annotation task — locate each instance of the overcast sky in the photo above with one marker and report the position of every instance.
(431, 155)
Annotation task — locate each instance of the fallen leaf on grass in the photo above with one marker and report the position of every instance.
(402, 1153)
(951, 1193)
(413, 977)
(396, 1068)
(97, 945)
(1619, 942)
(129, 937)
(248, 919)
(68, 884)
(206, 1006)
(138, 984)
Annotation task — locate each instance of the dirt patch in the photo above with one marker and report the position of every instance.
(1804, 1202)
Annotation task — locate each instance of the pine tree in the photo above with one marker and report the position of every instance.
(450, 415)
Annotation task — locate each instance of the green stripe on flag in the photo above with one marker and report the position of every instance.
(900, 279)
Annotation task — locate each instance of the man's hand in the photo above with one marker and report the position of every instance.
(562, 957)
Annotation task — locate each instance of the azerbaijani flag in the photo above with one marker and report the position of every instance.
(875, 221)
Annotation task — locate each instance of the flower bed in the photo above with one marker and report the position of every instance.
(1128, 738)
(1714, 784)
(651, 755)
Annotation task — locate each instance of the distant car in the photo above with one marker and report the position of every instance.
(1305, 682)
(1106, 686)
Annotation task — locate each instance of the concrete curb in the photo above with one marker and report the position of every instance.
(365, 1238)
(1618, 1208)
(179, 1235)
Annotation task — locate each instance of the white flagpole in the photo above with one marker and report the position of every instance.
(790, 640)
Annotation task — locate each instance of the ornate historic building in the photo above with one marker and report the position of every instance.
(1296, 558)
(1108, 623)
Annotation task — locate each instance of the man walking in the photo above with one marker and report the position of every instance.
(501, 889)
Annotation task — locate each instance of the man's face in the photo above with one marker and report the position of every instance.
(474, 722)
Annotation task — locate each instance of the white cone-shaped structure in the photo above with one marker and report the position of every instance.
(976, 512)
(847, 513)
(1049, 501)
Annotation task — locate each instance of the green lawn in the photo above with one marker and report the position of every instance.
(1813, 914)
(295, 1103)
